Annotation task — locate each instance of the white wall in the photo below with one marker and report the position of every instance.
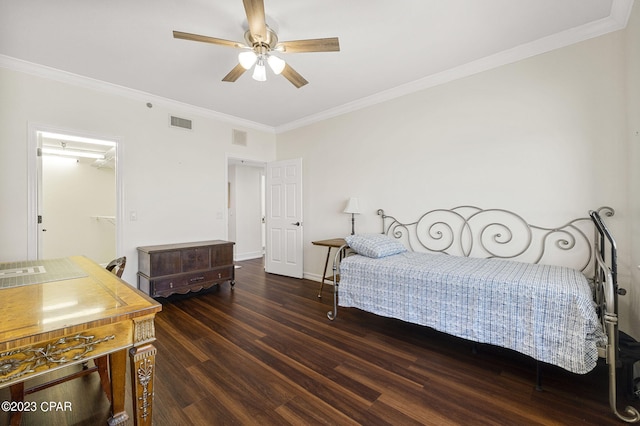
(545, 137)
(632, 54)
(174, 179)
(74, 193)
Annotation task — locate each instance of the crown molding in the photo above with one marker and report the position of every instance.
(620, 12)
(50, 73)
(617, 20)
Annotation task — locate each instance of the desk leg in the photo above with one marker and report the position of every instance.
(324, 273)
(17, 394)
(118, 372)
(142, 370)
(143, 364)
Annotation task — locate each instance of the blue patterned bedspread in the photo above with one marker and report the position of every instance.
(546, 312)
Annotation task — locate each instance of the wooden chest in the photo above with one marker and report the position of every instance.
(180, 268)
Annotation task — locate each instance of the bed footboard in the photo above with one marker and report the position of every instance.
(606, 293)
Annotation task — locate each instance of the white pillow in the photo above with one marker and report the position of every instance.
(375, 245)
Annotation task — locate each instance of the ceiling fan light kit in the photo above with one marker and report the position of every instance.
(261, 41)
(250, 58)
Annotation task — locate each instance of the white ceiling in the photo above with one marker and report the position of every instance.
(388, 48)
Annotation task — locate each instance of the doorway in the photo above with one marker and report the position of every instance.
(271, 219)
(246, 207)
(75, 185)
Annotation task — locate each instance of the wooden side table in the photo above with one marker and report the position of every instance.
(331, 243)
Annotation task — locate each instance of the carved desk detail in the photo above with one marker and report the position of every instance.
(61, 351)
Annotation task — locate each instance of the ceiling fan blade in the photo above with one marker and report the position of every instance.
(293, 76)
(331, 44)
(234, 74)
(256, 18)
(207, 39)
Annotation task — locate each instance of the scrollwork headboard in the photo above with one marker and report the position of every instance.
(496, 233)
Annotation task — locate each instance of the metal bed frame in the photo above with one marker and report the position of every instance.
(497, 233)
(606, 296)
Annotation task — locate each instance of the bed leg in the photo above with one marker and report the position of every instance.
(474, 348)
(333, 314)
(539, 376)
(631, 415)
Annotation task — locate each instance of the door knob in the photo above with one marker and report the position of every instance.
(296, 223)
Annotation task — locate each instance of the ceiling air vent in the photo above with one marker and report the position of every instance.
(183, 123)
(239, 137)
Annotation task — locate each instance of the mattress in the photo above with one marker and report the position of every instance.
(546, 312)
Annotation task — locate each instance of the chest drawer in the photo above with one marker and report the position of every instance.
(187, 282)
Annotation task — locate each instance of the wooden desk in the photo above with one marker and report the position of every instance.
(331, 243)
(61, 312)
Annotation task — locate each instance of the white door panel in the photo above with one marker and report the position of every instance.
(284, 218)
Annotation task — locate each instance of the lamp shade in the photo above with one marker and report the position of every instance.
(353, 206)
(276, 64)
(247, 59)
(260, 72)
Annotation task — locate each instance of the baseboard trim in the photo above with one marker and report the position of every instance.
(239, 257)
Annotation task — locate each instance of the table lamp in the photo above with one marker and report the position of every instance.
(353, 208)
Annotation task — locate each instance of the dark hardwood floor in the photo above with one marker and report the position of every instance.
(265, 353)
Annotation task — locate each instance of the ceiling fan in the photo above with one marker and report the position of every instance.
(261, 44)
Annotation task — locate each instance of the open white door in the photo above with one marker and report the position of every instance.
(284, 251)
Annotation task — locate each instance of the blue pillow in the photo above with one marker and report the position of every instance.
(375, 245)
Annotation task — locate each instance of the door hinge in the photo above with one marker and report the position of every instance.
(39, 152)
(39, 218)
